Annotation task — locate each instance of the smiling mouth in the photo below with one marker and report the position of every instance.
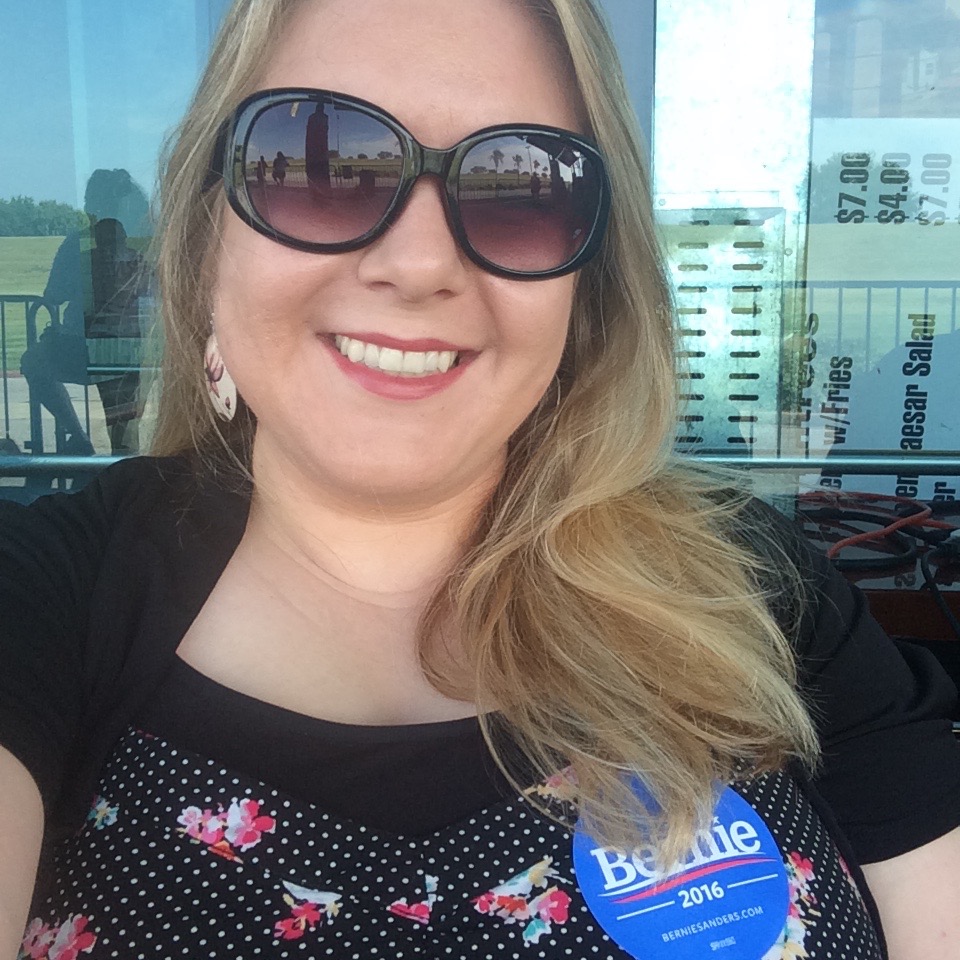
(399, 363)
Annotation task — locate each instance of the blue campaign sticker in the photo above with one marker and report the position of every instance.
(728, 898)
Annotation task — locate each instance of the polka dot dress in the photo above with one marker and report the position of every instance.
(180, 857)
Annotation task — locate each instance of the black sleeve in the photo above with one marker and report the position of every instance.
(890, 767)
(50, 557)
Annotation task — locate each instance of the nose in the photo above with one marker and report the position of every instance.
(418, 257)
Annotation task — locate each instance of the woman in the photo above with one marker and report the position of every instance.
(463, 516)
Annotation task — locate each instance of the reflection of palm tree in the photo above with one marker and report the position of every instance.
(497, 157)
(518, 160)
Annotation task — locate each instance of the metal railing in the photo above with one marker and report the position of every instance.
(32, 305)
(925, 465)
(935, 464)
(840, 290)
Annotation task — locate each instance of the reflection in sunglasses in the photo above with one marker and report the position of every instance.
(326, 171)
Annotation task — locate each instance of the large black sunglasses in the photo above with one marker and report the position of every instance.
(327, 173)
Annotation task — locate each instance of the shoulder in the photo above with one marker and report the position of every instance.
(889, 768)
(132, 496)
(793, 575)
(55, 545)
(119, 485)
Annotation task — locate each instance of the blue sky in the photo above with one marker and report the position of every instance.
(93, 83)
(99, 83)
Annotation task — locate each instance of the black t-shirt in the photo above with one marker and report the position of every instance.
(97, 589)
(337, 766)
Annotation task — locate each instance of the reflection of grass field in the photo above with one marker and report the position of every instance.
(24, 268)
(25, 263)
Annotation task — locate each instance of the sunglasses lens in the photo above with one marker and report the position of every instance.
(321, 172)
(529, 203)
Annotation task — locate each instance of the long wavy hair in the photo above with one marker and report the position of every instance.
(613, 622)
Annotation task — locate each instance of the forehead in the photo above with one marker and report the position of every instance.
(444, 68)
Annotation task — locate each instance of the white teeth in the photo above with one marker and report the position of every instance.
(391, 360)
(355, 351)
(404, 363)
(414, 363)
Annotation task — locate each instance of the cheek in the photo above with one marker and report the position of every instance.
(246, 309)
(259, 297)
(231, 270)
(541, 320)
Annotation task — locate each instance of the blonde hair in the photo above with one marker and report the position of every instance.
(610, 618)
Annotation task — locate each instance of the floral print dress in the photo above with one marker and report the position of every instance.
(182, 857)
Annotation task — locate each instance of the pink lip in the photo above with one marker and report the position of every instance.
(392, 387)
(394, 343)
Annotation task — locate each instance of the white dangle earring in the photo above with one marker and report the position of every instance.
(220, 385)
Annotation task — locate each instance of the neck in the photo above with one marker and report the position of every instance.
(390, 556)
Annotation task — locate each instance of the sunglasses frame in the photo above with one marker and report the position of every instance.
(418, 161)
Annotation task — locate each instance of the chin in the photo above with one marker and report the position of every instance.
(421, 469)
(383, 479)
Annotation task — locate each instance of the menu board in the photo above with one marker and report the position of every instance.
(882, 349)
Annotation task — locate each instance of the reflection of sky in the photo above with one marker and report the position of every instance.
(632, 26)
(887, 58)
(866, 8)
(350, 133)
(482, 156)
(98, 84)
(846, 6)
(879, 135)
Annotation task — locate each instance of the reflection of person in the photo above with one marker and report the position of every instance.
(535, 187)
(99, 278)
(60, 356)
(119, 281)
(318, 148)
(280, 164)
(261, 171)
(289, 679)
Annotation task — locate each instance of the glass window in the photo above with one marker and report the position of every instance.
(93, 87)
(883, 238)
(806, 183)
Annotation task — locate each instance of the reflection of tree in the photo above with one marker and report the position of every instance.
(518, 160)
(497, 157)
(25, 217)
(826, 186)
